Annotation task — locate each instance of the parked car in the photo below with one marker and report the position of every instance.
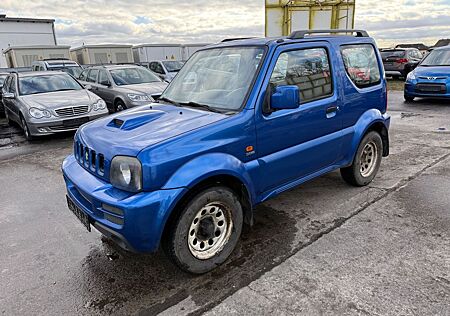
(123, 86)
(166, 69)
(60, 64)
(3, 76)
(188, 170)
(431, 78)
(48, 102)
(399, 62)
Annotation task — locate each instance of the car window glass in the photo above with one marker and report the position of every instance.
(159, 69)
(47, 83)
(83, 75)
(103, 78)
(153, 66)
(361, 64)
(135, 75)
(92, 76)
(309, 69)
(6, 84)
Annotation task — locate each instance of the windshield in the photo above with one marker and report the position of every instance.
(2, 80)
(127, 76)
(437, 58)
(392, 53)
(47, 83)
(218, 77)
(173, 66)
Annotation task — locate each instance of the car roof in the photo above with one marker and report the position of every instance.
(109, 67)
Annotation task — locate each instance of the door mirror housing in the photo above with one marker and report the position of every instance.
(8, 95)
(285, 97)
(88, 86)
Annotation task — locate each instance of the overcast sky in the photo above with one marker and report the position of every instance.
(166, 21)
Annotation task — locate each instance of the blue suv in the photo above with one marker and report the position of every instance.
(431, 79)
(243, 121)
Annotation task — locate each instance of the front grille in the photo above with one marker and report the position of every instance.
(432, 78)
(431, 88)
(73, 110)
(89, 158)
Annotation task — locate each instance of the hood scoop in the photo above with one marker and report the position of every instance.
(133, 120)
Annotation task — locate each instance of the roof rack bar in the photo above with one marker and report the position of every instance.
(235, 39)
(302, 33)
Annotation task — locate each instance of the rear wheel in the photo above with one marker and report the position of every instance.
(206, 231)
(119, 106)
(366, 162)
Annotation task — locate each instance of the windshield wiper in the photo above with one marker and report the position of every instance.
(203, 106)
(66, 89)
(168, 101)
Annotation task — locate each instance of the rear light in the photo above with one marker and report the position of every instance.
(402, 60)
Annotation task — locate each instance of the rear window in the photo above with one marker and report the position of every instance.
(361, 64)
(392, 53)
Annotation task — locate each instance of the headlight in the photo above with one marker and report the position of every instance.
(39, 113)
(139, 97)
(99, 105)
(411, 76)
(126, 173)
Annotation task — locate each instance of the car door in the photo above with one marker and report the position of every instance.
(296, 143)
(91, 80)
(104, 88)
(5, 89)
(14, 103)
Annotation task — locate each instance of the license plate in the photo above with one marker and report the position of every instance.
(75, 122)
(84, 219)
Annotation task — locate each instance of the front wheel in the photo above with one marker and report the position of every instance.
(206, 232)
(119, 106)
(408, 98)
(26, 130)
(366, 162)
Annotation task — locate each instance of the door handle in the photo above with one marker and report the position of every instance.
(332, 109)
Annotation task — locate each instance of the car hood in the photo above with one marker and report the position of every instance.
(146, 88)
(437, 71)
(53, 100)
(128, 132)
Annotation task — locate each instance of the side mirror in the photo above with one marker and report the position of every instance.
(8, 95)
(88, 86)
(285, 97)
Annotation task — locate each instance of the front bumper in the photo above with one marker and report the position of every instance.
(41, 127)
(412, 91)
(135, 221)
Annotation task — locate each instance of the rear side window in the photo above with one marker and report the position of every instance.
(361, 64)
(83, 75)
(309, 69)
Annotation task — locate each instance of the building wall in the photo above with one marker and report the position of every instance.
(102, 55)
(13, 33)
(24, 57)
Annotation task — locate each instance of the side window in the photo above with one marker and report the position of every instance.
(6, 84)
(309, 69)
(103, 78)
(361, 64)
(83, 75)
(159, 69)
(92, 76)
(152, 66)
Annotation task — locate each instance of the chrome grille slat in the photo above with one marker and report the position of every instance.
(73, 110)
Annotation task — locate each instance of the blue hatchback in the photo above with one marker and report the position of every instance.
(431, 79)
(243, 121)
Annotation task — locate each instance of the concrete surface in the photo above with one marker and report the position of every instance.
(49, 264)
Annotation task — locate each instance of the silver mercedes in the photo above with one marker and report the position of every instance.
(48, 102)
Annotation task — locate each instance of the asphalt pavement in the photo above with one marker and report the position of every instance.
(322, 248)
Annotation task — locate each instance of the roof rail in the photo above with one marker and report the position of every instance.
(235, 39)
(302, 33)
(49, 59)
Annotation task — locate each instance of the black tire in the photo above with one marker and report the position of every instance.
(358, 174)
(408, 98)
(26, 130)
(119, 105)
(180, 235)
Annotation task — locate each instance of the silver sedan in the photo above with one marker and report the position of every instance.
(49, 102)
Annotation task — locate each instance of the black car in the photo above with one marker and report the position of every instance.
(2, 80)
(398, 62)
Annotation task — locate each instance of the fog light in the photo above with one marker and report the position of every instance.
(113, 219)
(42, 130)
